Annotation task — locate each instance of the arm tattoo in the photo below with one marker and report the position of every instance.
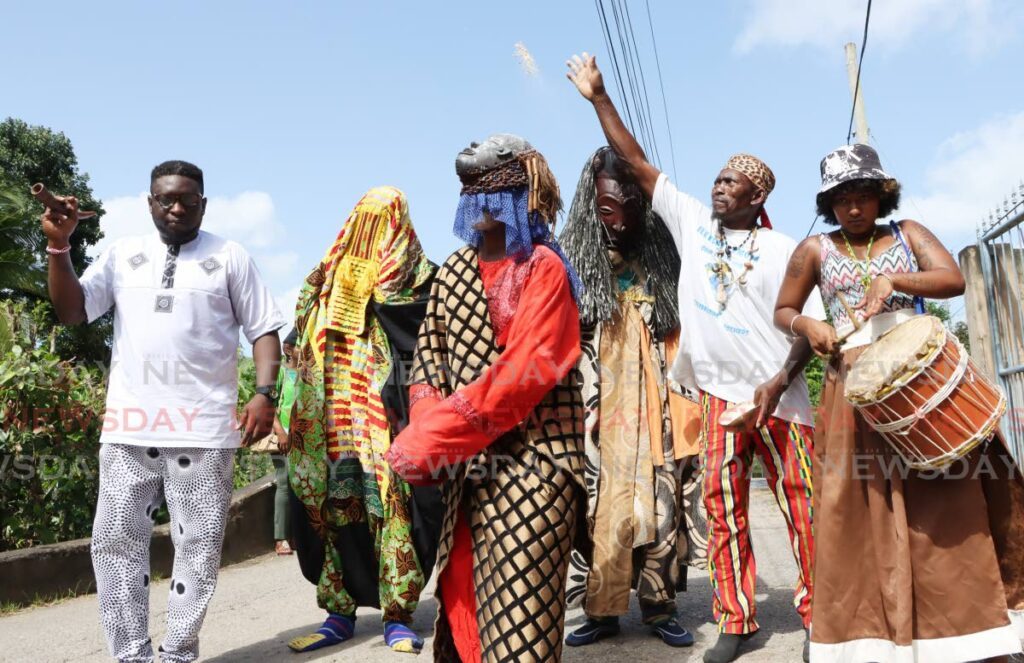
(925, 243)
(912, 280)
(798, 262)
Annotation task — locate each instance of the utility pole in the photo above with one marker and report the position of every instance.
(860, 118)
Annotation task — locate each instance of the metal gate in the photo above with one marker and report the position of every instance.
(1001, 248)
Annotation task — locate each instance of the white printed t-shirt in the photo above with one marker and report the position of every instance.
(174, 370)
(729, 353)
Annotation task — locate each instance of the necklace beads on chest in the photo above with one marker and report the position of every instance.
(723, 271)
(864, 266)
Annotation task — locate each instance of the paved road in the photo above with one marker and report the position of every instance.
(261, 604)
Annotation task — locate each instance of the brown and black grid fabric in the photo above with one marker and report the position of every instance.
(521, 498)
(522, 522)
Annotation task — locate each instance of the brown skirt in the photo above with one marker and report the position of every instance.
(911, 566)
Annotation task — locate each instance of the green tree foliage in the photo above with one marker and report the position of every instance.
(959, 329)
(21, 269)
(30, 154)
(815, 373)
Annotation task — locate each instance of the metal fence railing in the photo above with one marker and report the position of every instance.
(1001, 249)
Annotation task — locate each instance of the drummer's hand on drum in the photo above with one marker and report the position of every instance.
(874, 299)
(822, 337)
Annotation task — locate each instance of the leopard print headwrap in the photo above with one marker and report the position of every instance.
(755, 169)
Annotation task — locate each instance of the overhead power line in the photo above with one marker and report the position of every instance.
(627, 66)
(856, 91)
(661, 84)
(860, 67)
(643, 82)
(624, 100)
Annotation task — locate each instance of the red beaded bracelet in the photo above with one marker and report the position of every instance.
(58, 252)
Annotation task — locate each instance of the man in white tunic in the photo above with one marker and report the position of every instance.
(170, 430)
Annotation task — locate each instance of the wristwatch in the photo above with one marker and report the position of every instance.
(270, 391)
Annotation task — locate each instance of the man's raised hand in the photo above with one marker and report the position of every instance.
(58, 227)
(585, 75)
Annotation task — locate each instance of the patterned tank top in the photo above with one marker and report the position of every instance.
(839, 273)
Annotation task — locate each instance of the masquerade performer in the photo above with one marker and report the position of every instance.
(180, 296)
(497, 412)
(355, 531)
(636, 460)
(732, 266)
(910, 566)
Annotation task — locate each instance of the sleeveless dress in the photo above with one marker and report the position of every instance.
(840, 274)
(909, 566)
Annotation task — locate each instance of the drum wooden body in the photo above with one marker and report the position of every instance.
(919, 389)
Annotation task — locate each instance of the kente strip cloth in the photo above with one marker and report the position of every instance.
(638, 537)
(521, 496)
(339, 431)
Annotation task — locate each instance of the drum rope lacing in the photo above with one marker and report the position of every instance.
(939, 396)
(893, 431)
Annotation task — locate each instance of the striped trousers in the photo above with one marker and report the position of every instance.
(785, 450)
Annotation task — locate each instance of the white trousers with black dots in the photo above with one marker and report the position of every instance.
(134, 481)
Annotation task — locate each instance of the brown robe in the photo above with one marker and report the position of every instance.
(910, 566)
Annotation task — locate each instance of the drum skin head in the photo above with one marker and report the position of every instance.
(896, 353)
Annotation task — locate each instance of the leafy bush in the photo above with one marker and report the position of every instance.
(815, 373)
(51, 415)
(50, 419)
(248, 466)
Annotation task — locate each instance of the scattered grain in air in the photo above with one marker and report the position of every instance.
(525, 59)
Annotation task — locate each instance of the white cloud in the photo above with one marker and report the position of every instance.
(971, 173)
(979, 24)
(276, 266)
(125, 216)
(247, 218)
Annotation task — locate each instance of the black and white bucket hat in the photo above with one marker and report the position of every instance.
(851, 162)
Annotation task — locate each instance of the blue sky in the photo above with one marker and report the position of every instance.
(294, 111)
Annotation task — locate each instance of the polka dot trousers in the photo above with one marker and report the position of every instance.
(134, 482)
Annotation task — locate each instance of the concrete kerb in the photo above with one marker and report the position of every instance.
(60, 570)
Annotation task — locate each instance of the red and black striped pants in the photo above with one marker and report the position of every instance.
(785, 451)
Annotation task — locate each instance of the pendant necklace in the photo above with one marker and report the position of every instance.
(863, 265)
(723, 272)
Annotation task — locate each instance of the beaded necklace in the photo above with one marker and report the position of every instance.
(863, 265)
(722, 270)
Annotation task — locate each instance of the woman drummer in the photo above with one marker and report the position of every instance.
(909, 566)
